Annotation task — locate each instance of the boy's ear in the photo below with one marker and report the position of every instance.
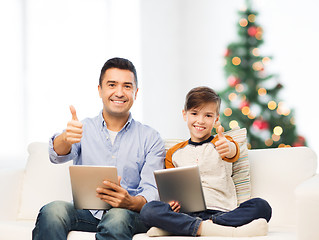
(184, 115)
(217, 123)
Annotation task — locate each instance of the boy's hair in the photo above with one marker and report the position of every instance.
(199, 96)
(120, 63)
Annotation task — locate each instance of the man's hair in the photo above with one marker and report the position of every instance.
(199, 96)
(120, 63)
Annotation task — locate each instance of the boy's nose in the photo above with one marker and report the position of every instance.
(200, 119)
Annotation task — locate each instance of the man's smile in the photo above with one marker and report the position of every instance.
(118, 101)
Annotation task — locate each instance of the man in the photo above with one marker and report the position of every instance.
(112, 138)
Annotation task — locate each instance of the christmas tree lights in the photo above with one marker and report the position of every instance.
(250, 99)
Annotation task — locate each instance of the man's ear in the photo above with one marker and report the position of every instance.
(184, 115)
(136, 93)
(99, 89)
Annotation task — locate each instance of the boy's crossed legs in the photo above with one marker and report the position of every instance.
(249, 219)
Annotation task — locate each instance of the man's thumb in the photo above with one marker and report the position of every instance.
(73, 112)
(220, 131)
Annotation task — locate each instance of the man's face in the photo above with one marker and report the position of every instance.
(201, 120)
(118, 92)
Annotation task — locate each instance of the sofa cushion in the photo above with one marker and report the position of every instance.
(275, 174)
(43, 182)
(241, 169)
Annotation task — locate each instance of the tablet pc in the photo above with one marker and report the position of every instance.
(182, 184)
(85, 180)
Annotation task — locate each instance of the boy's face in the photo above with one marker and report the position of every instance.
(201, 120)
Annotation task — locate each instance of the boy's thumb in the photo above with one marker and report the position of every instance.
(220, 131)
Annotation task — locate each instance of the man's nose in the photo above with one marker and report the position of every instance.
(119, 91)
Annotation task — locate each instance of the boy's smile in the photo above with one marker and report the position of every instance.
(201, 120)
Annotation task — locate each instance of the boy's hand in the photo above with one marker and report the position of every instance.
(175, 206)
(223, 146)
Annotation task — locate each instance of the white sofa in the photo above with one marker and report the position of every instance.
(285, 177)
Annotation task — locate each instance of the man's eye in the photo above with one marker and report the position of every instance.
(128, 86)
(111, 85)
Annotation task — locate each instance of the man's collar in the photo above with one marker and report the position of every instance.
(126, 125)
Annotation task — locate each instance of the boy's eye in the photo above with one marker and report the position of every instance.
(193, 113)
(208, 115)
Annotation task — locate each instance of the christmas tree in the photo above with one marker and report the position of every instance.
(251, 99)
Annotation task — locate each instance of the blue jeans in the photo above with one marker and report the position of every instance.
(58, 218)
(159, 214)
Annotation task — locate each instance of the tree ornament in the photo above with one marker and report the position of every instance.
(233, 81)
(300, 142)
(260, 124)
(244, 104)
(252, 31)
(227, 52)
(279, 86)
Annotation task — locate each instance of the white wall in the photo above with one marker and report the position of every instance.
(183, 43)
(52, 52)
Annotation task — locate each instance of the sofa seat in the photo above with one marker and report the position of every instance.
(285, 177)
(25, 227)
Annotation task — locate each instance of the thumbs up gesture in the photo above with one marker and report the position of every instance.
(73, 132)
(224, 147)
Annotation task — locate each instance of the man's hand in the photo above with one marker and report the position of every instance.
(224, 147)
(73, 132)
(62, 144)
(118, 197)
(175, 206)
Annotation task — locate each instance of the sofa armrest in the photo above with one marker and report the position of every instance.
(10, 189)
(307, 199)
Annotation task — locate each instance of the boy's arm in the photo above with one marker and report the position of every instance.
(169, 155)
(226, 147)
(168, 160)
(234, 152)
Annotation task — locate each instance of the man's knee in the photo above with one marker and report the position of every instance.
(117, 217)
(52, 221)
(55, 211)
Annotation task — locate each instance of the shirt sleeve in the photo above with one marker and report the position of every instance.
(168, 159)
(236, 157)
(154, 160)
(55, 158)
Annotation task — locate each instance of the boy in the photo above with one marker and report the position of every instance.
(214, 155)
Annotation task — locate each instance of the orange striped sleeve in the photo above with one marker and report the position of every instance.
(169, 155)
(236, 157)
